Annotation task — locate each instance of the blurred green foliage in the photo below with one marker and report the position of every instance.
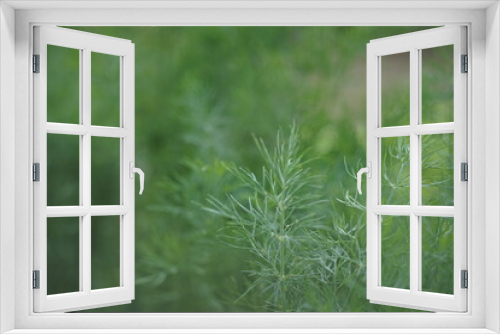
(105, 89)
(105, 170)
(201, 93)
(395, 259)
(395, 89)
(437, 169)
(63, 255)
(63, 170)
(395, 170)
(437, 254)
(63, 85)
(437, 84)
(105, 251)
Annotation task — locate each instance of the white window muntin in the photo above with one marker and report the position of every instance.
(414, 43)
(85, 43)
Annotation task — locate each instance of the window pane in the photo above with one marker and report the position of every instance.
(395, 171)
(396, 251)
(395, 81)
(105, 171)
(437, 84)
(63, 85)
(63, 255)
(105, 260)
(437, 254)
(105, 89)
(63, 170)
(437, 169)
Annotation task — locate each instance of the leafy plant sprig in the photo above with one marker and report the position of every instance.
(274, 218)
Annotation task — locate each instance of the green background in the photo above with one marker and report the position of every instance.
(201, 94)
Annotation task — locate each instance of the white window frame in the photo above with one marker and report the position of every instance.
(413, 44)
(16, 125)
(86, 44)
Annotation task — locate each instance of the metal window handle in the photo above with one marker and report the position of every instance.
(141, 176)
(368, 171)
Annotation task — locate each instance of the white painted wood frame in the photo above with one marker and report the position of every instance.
(86, 43)
(483, 20)
(7, 167)
(414, 43)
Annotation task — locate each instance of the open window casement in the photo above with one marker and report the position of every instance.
(416, 173)
(84, 215)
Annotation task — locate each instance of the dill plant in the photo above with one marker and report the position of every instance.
(275, 218)
(304, 255)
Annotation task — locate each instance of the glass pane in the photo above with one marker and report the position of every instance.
(63, 255)
(63, 85)
(437, 254)
(396, 251)
(63, 170)
(395, 171)
(437, 169)
(437, 84)
(105, 260)
(105, 89)
(105, 171)
(395, 81)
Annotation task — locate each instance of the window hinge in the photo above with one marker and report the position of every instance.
(465, 64)
(36, 279)
(36, 63)
(464, 167)
(36, 172)
(465, 279)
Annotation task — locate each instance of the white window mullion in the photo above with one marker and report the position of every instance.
(85, 275)
(85, 165)
(460, 155)
(419, 129)
(373, 184)
(414, 173)
(80, 128)
(393, 131)
(106, 131)
(434, 129)
(109, 210)
(127, 102)
(80, 211)
(418, 118)
(378, 269)
(434, 211)
(81, 256)
(40, 156)
(123, 165)
(422, 210)
(67, 129)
